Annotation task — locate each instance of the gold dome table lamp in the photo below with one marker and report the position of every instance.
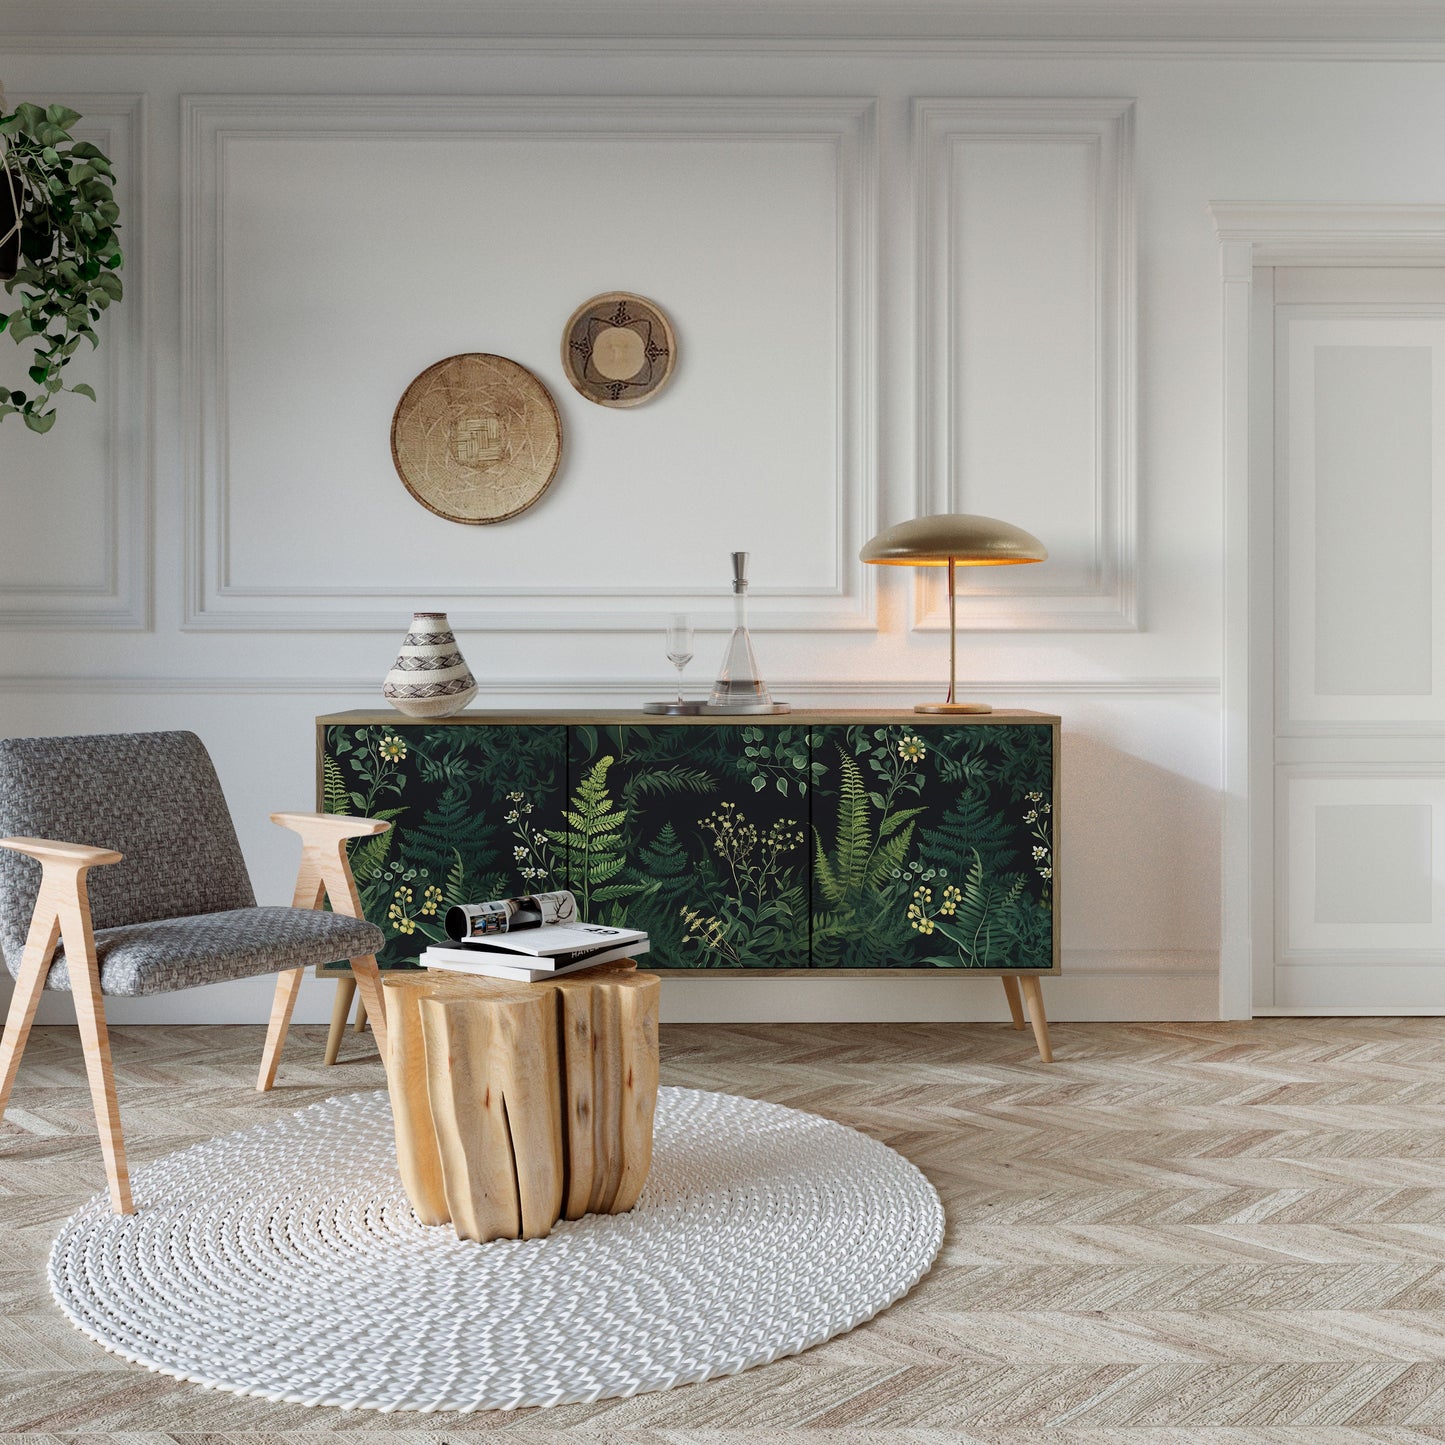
(953, 539)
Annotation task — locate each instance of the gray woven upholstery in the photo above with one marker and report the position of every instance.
(178, 910)
(154, 797)
(137, 958)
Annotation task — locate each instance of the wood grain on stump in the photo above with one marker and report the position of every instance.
(516, 1105)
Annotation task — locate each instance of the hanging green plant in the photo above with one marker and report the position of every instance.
(60, 190)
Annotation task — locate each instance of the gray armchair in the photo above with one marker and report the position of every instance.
(170, 905)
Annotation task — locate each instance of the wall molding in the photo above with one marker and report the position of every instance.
(121, 599)
(908, 689)
(1108, 601)
(95, 42)
(1323, 233)
(847, 126)
(1171, 26)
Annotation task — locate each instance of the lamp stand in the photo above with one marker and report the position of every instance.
(950, 706)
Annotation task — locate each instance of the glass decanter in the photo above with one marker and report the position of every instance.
(739, 687)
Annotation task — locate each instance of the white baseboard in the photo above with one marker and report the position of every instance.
(1125, 995)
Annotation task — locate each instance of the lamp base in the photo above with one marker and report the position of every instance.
(952, 707)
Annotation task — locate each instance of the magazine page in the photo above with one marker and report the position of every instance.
(467, 921)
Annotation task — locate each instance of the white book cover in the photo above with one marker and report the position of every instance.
(516, 966)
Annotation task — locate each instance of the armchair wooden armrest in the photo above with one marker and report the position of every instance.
(67, 855)
(325, 872)
(325, 868)
(324, 827)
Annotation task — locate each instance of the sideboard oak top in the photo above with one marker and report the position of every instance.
(637, 718)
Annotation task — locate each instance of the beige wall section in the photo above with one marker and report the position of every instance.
(308, 347)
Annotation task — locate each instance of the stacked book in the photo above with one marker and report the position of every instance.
(528, 939)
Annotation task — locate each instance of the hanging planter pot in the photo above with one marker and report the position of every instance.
(58, 190)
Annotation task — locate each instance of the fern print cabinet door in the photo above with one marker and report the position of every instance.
(476, 812)
(696, 833)
(933, 846)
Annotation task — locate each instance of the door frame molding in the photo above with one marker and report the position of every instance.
(1255, 234)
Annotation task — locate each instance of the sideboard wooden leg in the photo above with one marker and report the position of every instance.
(1015, 1003)
(1035, 996)
(340, 1011)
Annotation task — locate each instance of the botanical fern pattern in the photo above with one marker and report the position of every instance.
(941, 851)
(452, 797)
(744, 846)
(594, 844)
(715, 868)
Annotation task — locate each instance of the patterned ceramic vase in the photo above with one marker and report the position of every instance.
(430, 677)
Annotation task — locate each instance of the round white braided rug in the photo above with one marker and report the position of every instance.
(284, 1261)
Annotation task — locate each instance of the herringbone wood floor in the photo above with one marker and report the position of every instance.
(1189, 1233)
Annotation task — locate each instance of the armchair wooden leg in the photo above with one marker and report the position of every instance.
(95, 1043)
(283, 1003)
(62, 911)
(1034, 994)
(368, 980)
(361, 1016)
(1015, 1003)
(326, 872)
(34, 965)
(340, 1011)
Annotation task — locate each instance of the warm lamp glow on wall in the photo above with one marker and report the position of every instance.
(953, 539)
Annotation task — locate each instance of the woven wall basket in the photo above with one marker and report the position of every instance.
(476, 438)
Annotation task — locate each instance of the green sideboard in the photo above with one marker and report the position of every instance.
(817, 840)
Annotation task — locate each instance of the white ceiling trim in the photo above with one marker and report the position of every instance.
(1249, 23)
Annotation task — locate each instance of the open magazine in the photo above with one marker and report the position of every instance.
(540, 931)
(466, 922)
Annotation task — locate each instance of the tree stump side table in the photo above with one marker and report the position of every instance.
(519, 1104)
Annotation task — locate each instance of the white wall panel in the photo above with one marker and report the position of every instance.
(1362, 498)
(75, 538)
(1026, 322)
(1363, 864)
(1373, 863)
(483, 226)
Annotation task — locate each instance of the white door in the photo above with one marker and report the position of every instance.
(1359, 643)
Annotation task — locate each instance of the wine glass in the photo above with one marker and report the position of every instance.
(679, 645)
